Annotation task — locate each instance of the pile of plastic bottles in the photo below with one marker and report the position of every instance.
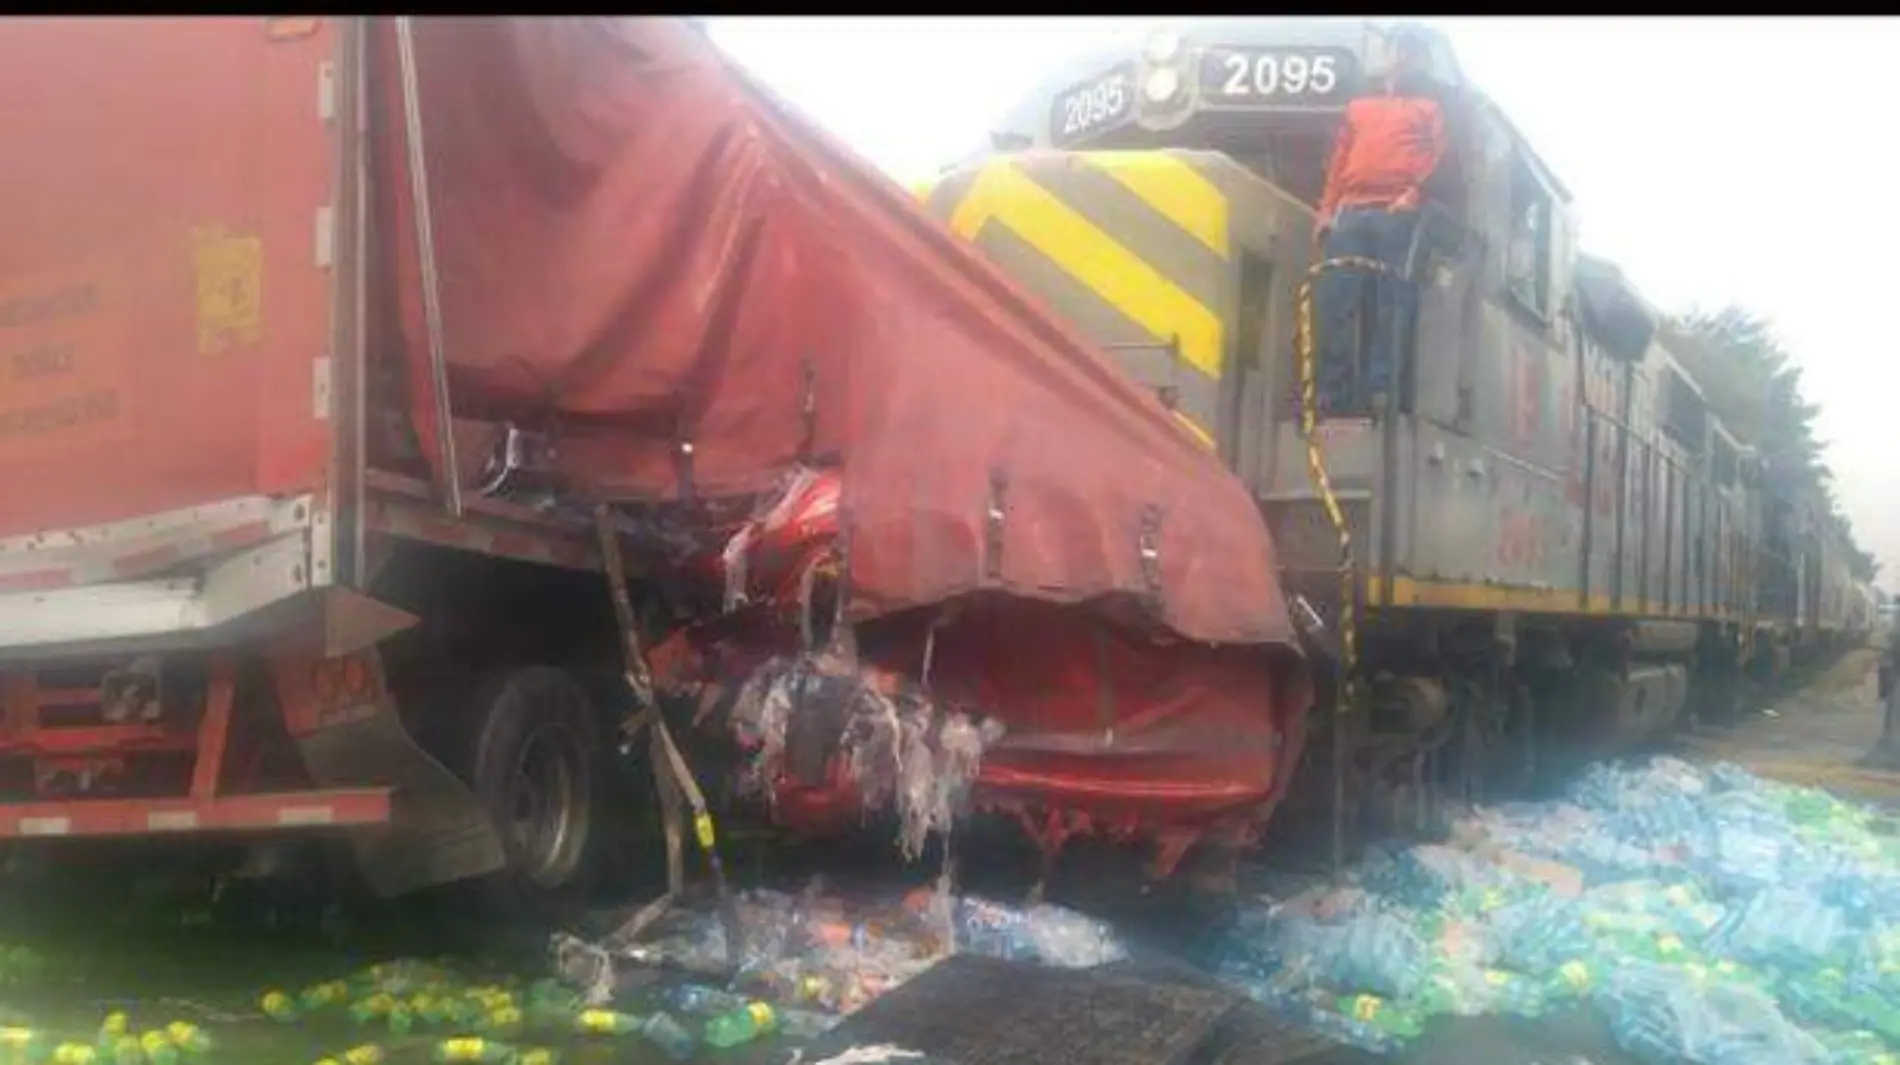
(469, 1021)
(808, 959)
(116, 1041)
(1709, 915)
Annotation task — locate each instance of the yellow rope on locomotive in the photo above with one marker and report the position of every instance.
(1316, 465)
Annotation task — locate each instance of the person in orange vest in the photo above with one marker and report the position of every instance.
(1389, 145)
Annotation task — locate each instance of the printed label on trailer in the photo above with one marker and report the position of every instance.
(1093, 107)
(1278, 77)
(230, 270)
(64, 362)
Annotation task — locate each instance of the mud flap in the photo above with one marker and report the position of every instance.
(438, 830)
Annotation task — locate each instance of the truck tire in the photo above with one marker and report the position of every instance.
(535, 767)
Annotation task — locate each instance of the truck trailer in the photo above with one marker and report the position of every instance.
(329, 347)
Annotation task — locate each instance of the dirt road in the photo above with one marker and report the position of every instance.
(1819, 734)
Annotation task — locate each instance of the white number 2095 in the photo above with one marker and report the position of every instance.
(1090, 107)
(1267, 74)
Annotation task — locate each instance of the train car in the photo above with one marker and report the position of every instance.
(1542, 532)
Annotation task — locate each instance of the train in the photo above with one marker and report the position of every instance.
(1546, 538)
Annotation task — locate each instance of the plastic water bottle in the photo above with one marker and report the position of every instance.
(1376, 1012)
(740, 1026)
(159, 1048)
(372, 1008)
(503, 1020)
(367, 1054)
(329, 993)
(698, 999)
(1573, 977)
(472, 1050)
(664, 1032)
(464, 1012)
(1515, 995)
(188, 1037)
(278, 1007)
(112, 1037)
(606, 1022)
(1353, 1032)
(24, 1044)
(805, 1024)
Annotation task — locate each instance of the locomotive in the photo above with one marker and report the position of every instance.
(1544, 541)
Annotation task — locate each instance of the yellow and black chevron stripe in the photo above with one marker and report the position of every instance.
(1132, 247)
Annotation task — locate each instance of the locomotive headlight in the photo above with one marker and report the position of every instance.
(1162, 84)
(1163, 47)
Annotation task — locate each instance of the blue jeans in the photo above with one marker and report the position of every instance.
(1346, 384)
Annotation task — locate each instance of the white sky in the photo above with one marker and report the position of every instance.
(1754, 161)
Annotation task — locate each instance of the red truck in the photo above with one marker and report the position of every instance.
(321, 340)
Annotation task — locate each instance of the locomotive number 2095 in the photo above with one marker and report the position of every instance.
(1275, 76)
(1093, 106)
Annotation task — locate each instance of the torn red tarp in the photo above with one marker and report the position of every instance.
(1109, 729)
(639, 246)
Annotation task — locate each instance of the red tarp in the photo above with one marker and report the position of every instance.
(637, 242)
(632, 238)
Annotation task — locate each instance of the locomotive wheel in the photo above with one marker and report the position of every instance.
(535, 768)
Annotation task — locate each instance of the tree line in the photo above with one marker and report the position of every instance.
(1751, 379)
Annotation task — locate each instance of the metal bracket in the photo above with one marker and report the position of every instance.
(325, 241)
(320, 376)
(1313, 629)
(994, 513)
(1148, 550)
(683, 468)
(326, 92)
(807, 410)
(521, 462)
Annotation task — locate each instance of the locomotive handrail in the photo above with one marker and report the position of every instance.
(1345, 690)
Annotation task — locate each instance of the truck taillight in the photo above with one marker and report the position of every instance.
(320, 692)
(341, 680)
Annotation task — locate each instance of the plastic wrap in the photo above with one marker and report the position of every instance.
(824, 956)
(1377, 951)
(901, 749)
(1786, 929)
(1540, 933)
(635, 240)
(1663, 1014)
(1051, 935)
(1681, 902)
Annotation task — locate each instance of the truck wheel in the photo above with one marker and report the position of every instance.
(534, 768)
